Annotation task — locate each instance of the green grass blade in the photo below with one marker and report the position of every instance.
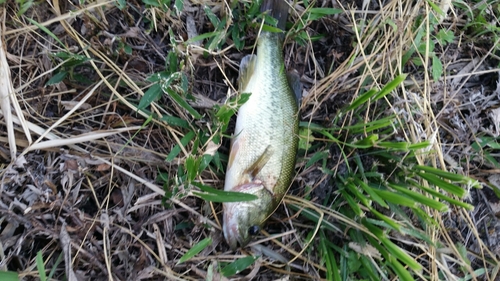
(361, 197)
(386, 219)
(394, 145)
(449, 187)
(316, 157)
(421, 198)
(215, 195)
(396, 198)
(352, 203)
(314, 216)
(44, 29)
(361, 100)
(329, 258)
(55, 266)
(390, 87)
(373, 195)
(40, 266)
(447, 175)
(444, 197)
(400, 254)
(201, 37)
(196, 249)
(9, 276)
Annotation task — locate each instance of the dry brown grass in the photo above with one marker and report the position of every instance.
(80, 165)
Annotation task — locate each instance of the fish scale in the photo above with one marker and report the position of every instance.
(264, 145)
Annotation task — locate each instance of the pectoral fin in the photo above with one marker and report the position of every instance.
(247, 66)
(257, 166)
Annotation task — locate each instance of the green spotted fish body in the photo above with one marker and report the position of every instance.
(264, 146)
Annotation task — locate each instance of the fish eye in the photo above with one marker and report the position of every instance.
(253, 230)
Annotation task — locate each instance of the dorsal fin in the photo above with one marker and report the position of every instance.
(247, 66)
(278, 9)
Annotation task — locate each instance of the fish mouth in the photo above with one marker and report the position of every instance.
(231, 235)
(231, 226)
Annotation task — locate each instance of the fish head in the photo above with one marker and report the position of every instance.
(242, 220)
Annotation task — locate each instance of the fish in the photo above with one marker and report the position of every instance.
(264, 144)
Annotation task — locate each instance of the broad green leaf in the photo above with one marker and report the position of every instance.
(179, 6)
(316, 157)
(175, 121)
(437, 68)
(227, 196)
(305, 138)
(211, 16)
(329, 258)
(151, 95)
(401, 271)
(445, 36)
(57, 78)
(325, 11)
(154, 3)
(182, 102)
(238, 266)
(121, 4)
(24, 7)
(55, 266)
(317, 13)
(204, 162)
(196, 249)
(177, 149)
(475, 275)
(361, 127)
(201, 37)
(270, 28)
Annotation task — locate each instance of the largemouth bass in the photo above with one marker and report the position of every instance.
(264, 146)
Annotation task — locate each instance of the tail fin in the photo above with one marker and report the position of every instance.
(278, 9)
